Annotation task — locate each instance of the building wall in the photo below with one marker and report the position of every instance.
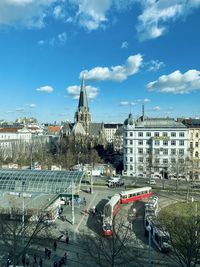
(152, 150)
(194, 152)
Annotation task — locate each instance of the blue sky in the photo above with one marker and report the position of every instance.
(131, 52)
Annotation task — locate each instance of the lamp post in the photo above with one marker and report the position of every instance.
(149, 249)
(73, 217)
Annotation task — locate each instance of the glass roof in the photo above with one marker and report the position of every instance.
(38, 180)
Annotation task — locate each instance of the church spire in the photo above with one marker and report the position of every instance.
(83, 104)
(82, 114)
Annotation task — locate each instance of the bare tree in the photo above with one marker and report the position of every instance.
(182, 221)
(116, 250)
(17, 235)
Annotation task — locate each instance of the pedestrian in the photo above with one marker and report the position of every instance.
(67, 239)
(46, 252)
(40, 262)
(35, 258)
(23, 260)
(55, 264)
(66, 255)
(55, 245)
(49, 254)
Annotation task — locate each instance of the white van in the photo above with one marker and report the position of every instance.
(114, 179)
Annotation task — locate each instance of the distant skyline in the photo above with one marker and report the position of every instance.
(130, 51)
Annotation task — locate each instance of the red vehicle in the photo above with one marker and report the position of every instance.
(110, 210)
(135, 194)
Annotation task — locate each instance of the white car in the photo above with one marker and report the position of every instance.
(153, 182)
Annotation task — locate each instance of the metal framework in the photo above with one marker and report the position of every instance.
(37, 181)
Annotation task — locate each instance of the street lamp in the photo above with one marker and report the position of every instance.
(73, 217)
(149, 249)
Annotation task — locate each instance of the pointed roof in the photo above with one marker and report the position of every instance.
(83, 104)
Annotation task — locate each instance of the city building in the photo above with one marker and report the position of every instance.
(193, 126)
(154, 146)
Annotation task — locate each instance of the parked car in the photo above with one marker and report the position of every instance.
(195, 185)
(153, 182)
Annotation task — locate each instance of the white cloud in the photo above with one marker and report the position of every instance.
(32, 105)
(41, 42)
(74, 91)
(28, 13)
(115, 73)
(45, 89)
(20, 109)
(152, 23)
(154, 65)
(124, 45)
(145, 100)
(124, 103)
(91, 14)
(176, 82)
(58, 40)
(156, 108)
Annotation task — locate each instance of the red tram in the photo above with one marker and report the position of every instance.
(135, 194)
(113, 205)
(110, 210)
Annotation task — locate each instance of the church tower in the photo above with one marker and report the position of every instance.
(82, 114)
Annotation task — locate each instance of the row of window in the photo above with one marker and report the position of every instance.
(196, 135)
(157, 142)
(156, 160)
(157, 151)
(195, 144)
(157, 134)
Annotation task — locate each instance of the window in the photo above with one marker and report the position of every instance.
(173, 142)
(148, 151)
(165, 143)
(173, 160)
(140, 142)
(164, 134)
(181, 151)
(197, 135)
(140, 134)
(157, 142)
(148, 142)
(196, 144)
(126, 134)
(156, 151)
(131, 133)
(131, 159)
(191, 145)
(173, 151)
(181, 161)
(131, 142)
(156, 134)
(131, 150)
(140, 151)
(131, 167)
(181, 134)
(196, 154)
(181, 142)
(165, 151)
(148, 134)
(165, 161)
(191, 135)
(157, 161)
(140, 159)
(173, 134)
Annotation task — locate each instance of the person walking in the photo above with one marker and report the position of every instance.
(55, 245)
(35, 258)
(40, 262)
(67, 240)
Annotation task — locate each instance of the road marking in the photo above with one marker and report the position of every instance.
(88, 208)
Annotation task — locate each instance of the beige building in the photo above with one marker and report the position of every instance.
(193, 126)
